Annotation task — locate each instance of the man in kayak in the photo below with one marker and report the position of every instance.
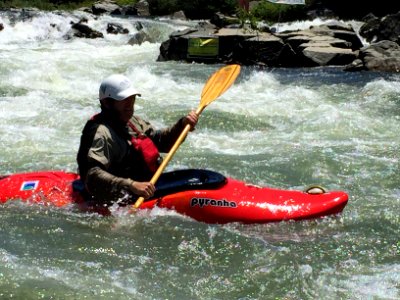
(119, 152)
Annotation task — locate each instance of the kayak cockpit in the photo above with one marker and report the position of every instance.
(188, 179)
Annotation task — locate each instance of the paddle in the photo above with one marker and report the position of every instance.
(215, 86)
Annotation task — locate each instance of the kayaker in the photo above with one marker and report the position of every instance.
(119, 151)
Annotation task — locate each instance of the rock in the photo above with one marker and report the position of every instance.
(386, 28)
(129, 10)
(139, 38)
(114, 28)
(142, 8)
(265, 49)
(179, 15)
(355, 65)
(220, 20)
(106, 8)
(382, 56)
(84, 31)
(317, 46)
(324, 56)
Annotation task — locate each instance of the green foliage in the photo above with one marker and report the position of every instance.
(46, 4)
(247, 18)
(272, 13)
(125, 2)
(196, 9)
(24, 3)
(162, 7)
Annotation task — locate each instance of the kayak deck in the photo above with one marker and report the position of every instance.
(237, 201)
(45, 187)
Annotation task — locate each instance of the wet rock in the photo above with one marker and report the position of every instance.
(379, 29)
(142, 8)
(139, 38)
(114, 28)
(100, 8)
(381, 56)
(84, 31)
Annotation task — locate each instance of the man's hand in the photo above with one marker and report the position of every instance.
(143, 189)
(192, 118)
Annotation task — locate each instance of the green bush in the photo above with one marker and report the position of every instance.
(272, 13)
(196, 9)
(46, 4)
(163, 7)
(203, 9)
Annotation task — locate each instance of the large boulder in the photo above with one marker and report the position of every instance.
(141, 8)
(381, 56)
(386, 28)
(106, 7)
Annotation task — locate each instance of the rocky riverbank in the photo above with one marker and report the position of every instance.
(373, 46)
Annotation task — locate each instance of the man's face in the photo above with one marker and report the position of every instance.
(124, 108)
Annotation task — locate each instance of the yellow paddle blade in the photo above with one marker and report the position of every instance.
(218, 83)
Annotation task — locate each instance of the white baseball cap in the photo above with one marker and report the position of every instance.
(117, 87)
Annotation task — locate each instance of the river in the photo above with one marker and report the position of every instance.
(284, 128)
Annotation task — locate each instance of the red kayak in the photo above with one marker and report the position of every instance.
(203, 195)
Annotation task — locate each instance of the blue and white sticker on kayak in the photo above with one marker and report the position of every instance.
(29, 185)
